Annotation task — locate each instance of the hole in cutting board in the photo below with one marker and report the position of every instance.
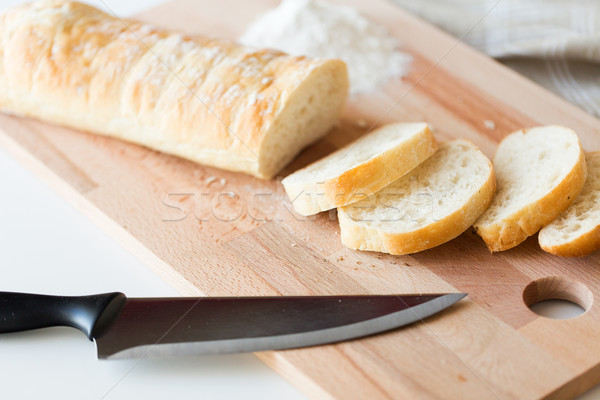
(557, 309)
(569, 298)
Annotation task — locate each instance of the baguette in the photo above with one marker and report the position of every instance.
(540, 172)
(360, 168)
(576, 232)
(433, 204)
(211, 101)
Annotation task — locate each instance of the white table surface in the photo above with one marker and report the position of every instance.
(49, 247)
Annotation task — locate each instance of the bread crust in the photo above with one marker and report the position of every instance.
(211, 101)
(514, 229)
(582, 246)
(360, 237)
(364, 179)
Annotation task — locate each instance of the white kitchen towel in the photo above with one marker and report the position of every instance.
(553, 42)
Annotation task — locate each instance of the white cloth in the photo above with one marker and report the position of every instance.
(553, 42)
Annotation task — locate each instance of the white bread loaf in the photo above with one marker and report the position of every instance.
(540, 172)
(360, 168)
(211, 101)
(434, 203)
(576, 232)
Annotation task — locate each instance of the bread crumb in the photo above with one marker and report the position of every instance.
(359, 262)
(361, 122)
(223, 181)
(356, 268)
(340, 258)
(210, 180)
(372, 266)
(489, 124)
(294, 245)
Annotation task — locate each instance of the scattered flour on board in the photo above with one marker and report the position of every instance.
(323, 30)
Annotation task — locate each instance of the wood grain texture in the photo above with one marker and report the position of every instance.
(213, 232)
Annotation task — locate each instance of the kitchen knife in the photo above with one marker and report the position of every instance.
(137, 327)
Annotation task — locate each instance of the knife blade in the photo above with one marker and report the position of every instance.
(125, 327)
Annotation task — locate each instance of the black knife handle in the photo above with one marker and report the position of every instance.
(90, 314)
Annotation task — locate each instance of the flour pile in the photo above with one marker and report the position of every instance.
(323, 30)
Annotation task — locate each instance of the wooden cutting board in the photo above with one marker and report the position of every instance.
(236, 235)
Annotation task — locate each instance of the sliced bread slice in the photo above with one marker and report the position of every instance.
(360, 168)
(436, 202)
(576, 232)
(540, 172)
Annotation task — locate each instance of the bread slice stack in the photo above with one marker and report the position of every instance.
(540, 172)
(576, 232)
(393, 196)
(433, 204)
(361, 168)
(394, 192)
